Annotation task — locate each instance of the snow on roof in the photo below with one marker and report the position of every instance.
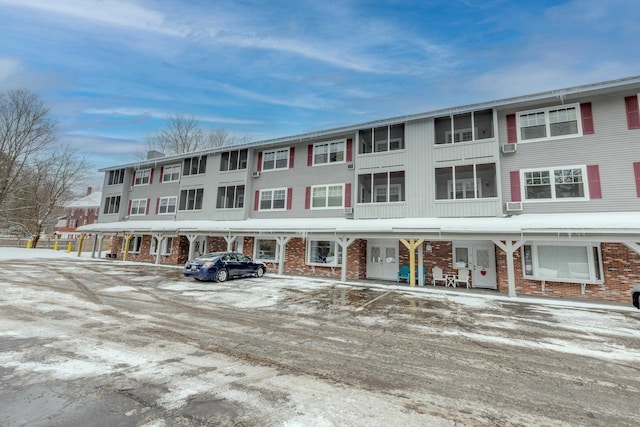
(575, 224)
(91, 200)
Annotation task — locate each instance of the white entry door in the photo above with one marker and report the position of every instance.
(382, 259)
(480, 258)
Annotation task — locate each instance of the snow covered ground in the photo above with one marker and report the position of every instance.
(295, 351)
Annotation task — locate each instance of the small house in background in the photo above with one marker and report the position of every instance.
(80, 212)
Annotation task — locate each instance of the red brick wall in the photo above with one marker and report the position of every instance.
(176, 257)
(294, 263)
(621, 271)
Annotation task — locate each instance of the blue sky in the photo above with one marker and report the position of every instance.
(112, 71)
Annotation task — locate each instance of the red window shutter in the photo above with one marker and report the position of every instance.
(291, 156)
(158, 204)
(633, 115)
(587, 119)
(151, 177)
(636, 171)
(133, 178)
(161, 174)
(349, 150)
(129, 208)
(593, 175)
(512, 129)
(256, 201)
(289, 197)
(310, 155)
(307, 198)
(515, 186)
(259, 161)
(347, 195)
(147, 209)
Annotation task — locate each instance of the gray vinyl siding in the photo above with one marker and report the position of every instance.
(424, 156)
(298, 179)
(612, 147)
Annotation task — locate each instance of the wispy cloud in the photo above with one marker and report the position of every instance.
(135, 112)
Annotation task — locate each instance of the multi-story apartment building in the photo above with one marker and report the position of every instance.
(537, 194)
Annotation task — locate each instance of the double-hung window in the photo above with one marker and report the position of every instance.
(275, 159)
(112, 205)
(579, 262)
(555, 183)
(230, 197)
(165, 247)
(327, 196)
(143, 177)
(273, 199)
(135, 243)
(549, 123)
(381, 187)
(171, 173)
(466, 182)
(116, 177)
(194, 165)
(266, 249)
(233, 160)
(138, 207)
(324, 253)
(191, 200)
(329, 152)
(167, 205)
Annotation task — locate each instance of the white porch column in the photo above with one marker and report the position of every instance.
(100, 243)
(344, 243)
(93, 248)
(230, 240)
(192, 238)
(509, 247)
(159, 238)
(420, 266)
(281, 241)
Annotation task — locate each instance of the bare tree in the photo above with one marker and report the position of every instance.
(220, 137)
(182, 135)
(52, 176)
(25, 129)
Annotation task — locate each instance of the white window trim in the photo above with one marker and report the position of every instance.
(326, 206)
(264, 155)
(328, 144)
(272, 191)
(585, 183)
(178, 166)
(536, 268)
(547, 123)
(194, 200)
(337, 260)
(256, 254)
(138, 201)
(175, 205)
(142, 174)
(124, 242)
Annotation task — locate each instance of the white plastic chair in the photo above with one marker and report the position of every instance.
(463, 277)
(438, 277)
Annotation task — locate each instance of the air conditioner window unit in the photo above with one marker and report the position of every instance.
(350, 166)
(348, 211)
(509, 148)
(255, 174)
(513, 206)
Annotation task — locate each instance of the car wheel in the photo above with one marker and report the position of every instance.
(222, 275)
(636, 300)
(260, 272)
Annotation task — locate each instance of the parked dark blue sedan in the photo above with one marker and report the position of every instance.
(221, 266)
